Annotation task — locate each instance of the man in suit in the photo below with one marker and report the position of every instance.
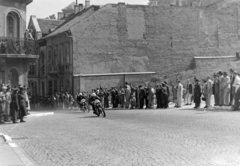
(197, 94)
(216, 89)
(221, 94)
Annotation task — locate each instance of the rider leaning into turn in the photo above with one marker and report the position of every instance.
(92, 99)
(79, 98)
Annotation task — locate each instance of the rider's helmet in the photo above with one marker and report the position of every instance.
(94, 94)
(80, 94)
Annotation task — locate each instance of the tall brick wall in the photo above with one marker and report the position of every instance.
(130, 38)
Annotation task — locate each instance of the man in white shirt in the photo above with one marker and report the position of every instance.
(179, 94)
(235, 85)
(209, 92)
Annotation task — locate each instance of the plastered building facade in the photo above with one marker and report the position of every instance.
(15, 52)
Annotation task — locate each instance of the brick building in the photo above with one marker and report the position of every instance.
(99, 42)
(16, 52)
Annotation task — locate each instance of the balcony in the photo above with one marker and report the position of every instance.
(16, 47)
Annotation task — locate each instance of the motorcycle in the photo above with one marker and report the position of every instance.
(99, 108)
(83, 105)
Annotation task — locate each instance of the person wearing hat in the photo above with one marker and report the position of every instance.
(22, 101)
(197, 94)
(14, 106)
(179, 94)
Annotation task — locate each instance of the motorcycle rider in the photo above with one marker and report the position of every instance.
(91, 101)
(79, 99)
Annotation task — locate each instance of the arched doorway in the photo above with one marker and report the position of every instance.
(13, 25)
(14, 77)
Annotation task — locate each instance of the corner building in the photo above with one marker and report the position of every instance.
(103, 43)
(15, 52)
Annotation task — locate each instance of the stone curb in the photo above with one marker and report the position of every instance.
(41, 114)
(18, 151)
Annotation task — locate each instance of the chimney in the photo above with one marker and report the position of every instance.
(76, 9)
(87, 3)
(80, 7)
(60, 15)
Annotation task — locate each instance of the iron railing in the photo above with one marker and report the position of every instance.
(18, 46)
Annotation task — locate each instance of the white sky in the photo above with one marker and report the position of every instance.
(44, 8)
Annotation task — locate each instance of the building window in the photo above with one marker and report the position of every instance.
(42, 61)
(55, 56)
(13, 25)
(49, 57)
(68, 54)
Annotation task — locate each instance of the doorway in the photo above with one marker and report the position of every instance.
(14, 77)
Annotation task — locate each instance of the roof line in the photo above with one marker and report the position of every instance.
(72, 17)
(114, 74)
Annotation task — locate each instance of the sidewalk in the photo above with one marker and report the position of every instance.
(11, 154)
(40, 113)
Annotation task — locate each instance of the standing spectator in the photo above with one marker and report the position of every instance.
(232, 88)
(235, 85)
(204, 91)
(164, 98)
(174, 92)
(236, 96)
(127, 94)
(142, 95)
(197, 94)
(147, 90)
(158, 96)
(216, 89)
(122, 95)
(2, 102)
(22, 103)
(189, 91)
(106, 98)
(151, 97)
(179, 94)
(226, 88)
(14, 106)
(209, 92)
(221, 92)
(7, 104)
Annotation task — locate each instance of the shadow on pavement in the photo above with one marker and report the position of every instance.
(211, 109)
(90, 117)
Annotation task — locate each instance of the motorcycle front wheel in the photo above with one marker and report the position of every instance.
(102, 112)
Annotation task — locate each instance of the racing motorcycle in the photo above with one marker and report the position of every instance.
(99, 108)
(83, 105)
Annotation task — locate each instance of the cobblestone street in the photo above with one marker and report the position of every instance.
(170, 137)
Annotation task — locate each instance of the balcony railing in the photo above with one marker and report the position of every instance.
(18, 46)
